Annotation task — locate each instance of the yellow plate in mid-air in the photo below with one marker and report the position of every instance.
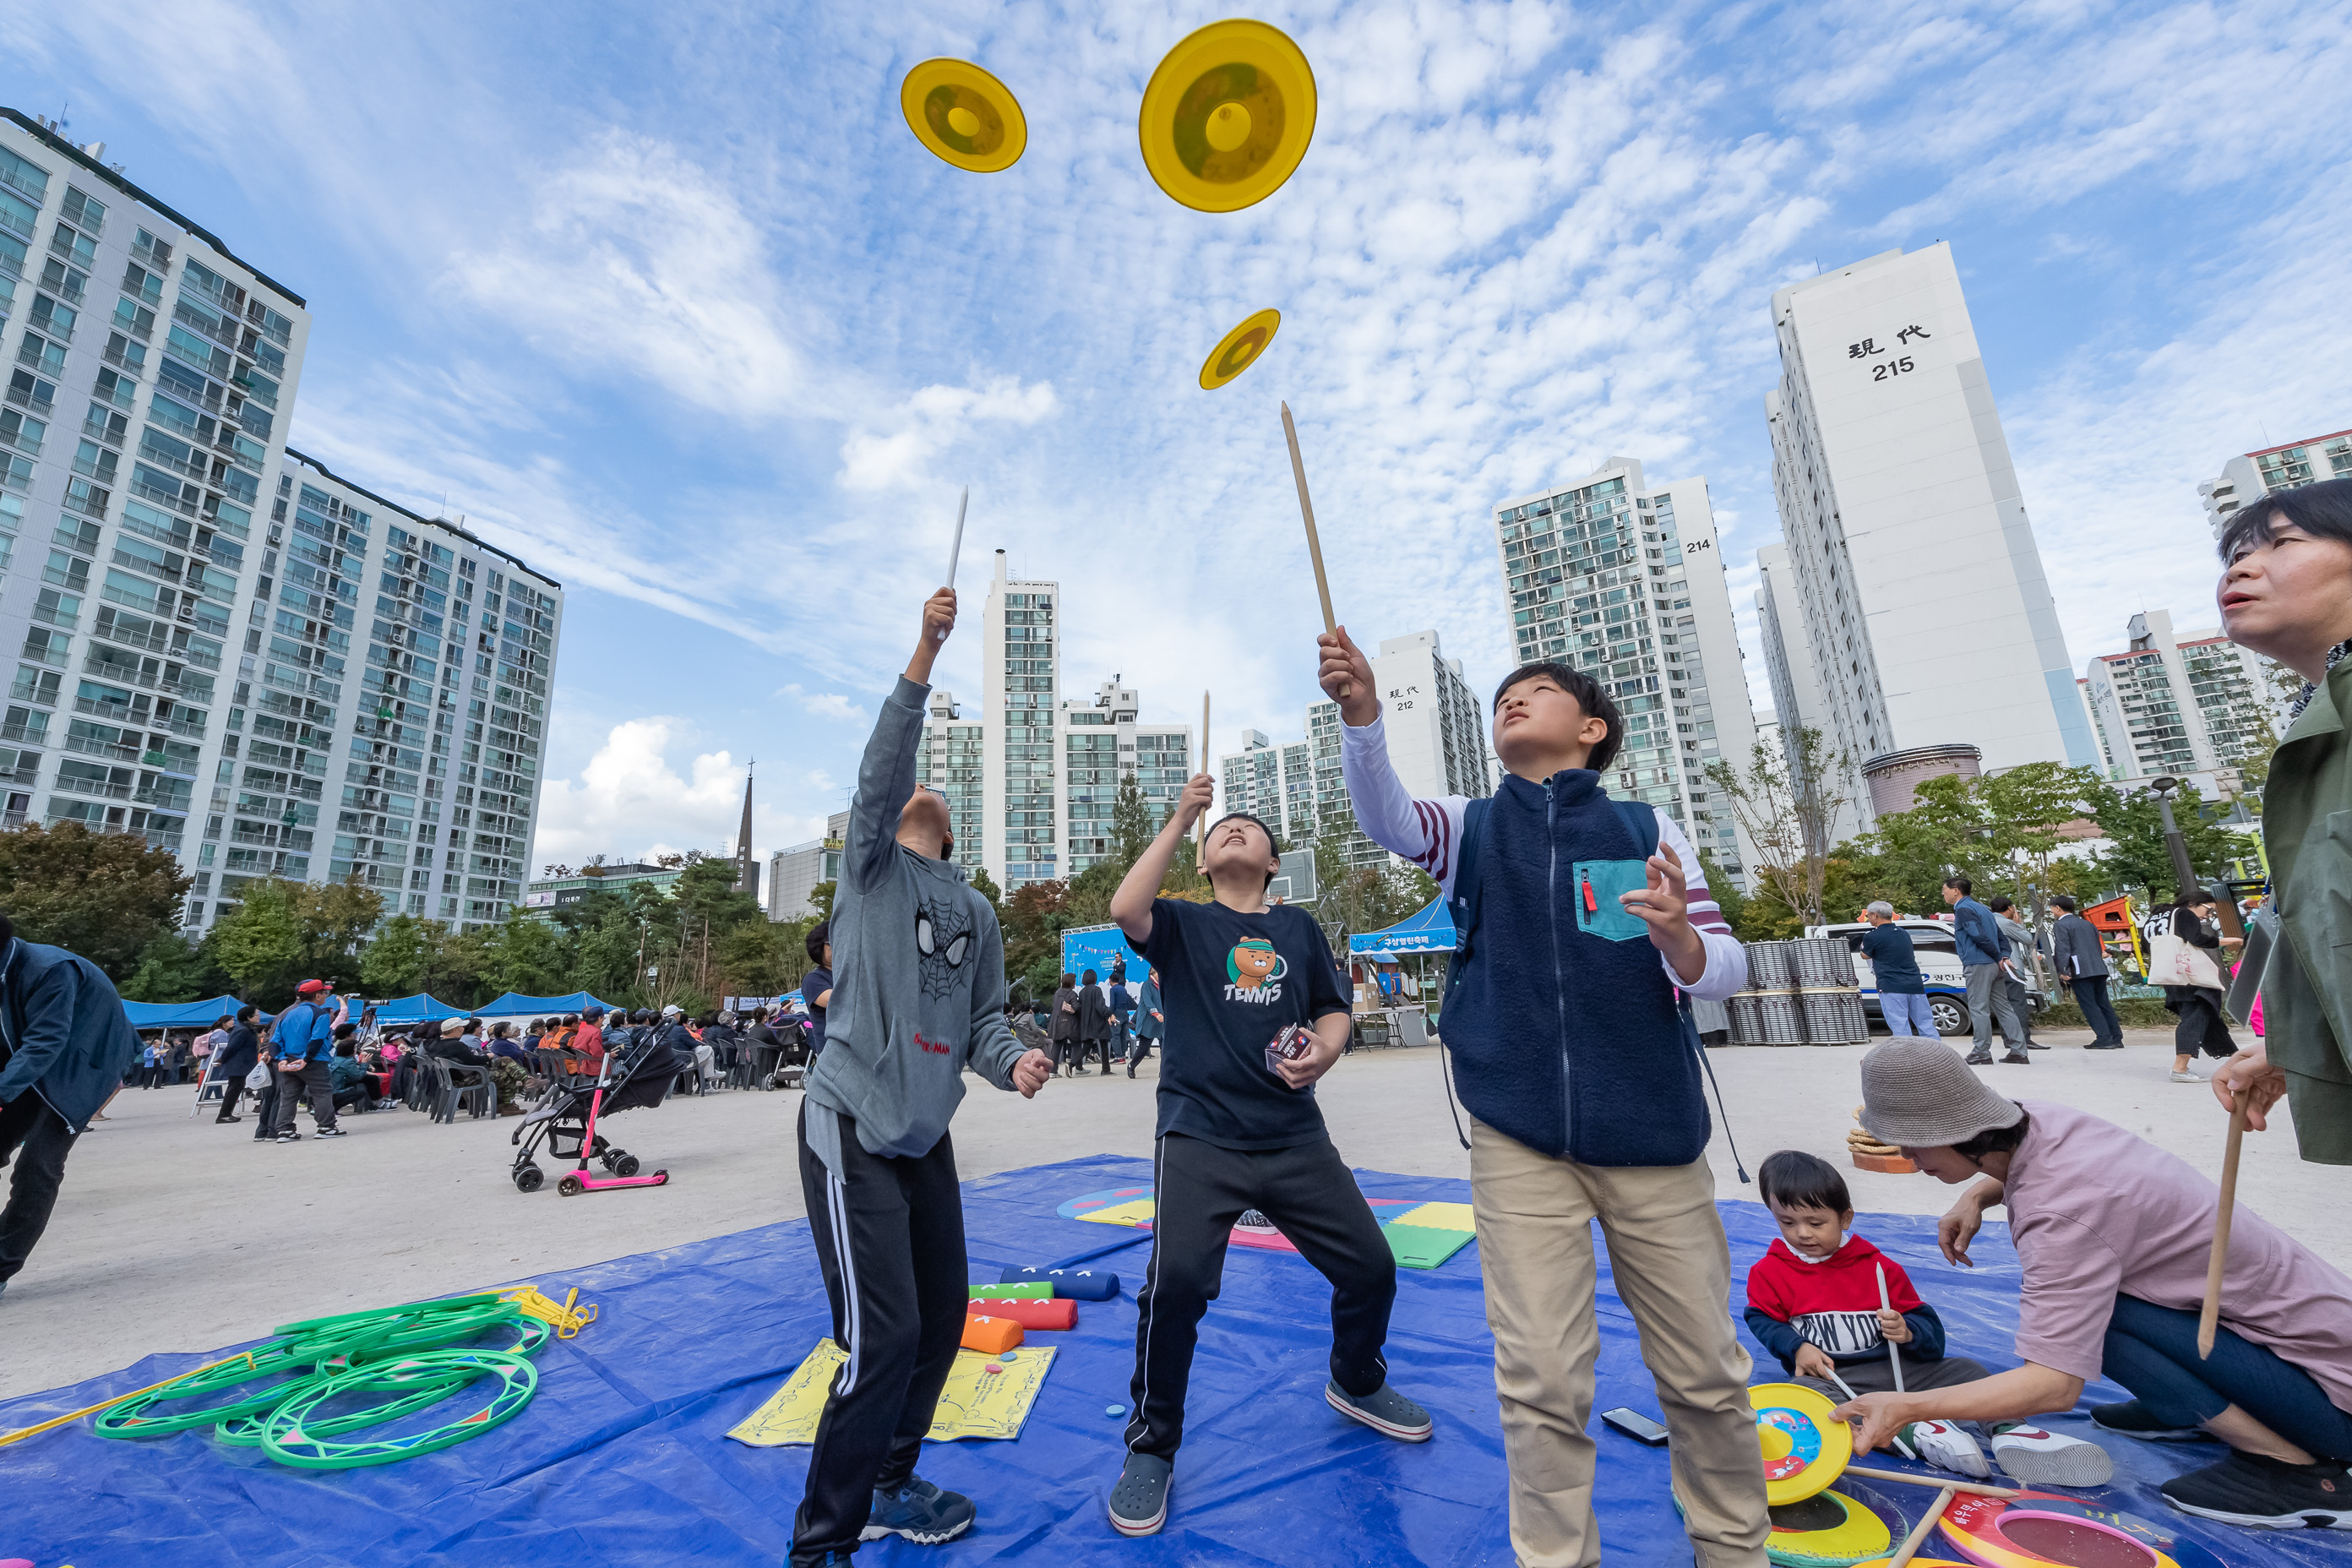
(964, 114)
(1227, 116)
(1239, 349)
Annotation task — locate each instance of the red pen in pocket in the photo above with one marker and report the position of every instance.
(1591, 905)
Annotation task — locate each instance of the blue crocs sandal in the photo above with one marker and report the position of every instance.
(1138, 1504)
(1384, 1410)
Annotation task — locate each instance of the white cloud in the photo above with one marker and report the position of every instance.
(630, 800)
(824, 704)
(931, 421)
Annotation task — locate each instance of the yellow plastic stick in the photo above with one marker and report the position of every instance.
(244, 1356)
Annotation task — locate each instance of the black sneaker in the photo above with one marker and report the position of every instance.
(2035, 1045)
(2017, 1059)
(2247, 1489)
(332, 1132)
(920, 1511)
(2134, 1419)
(1139, 1503)
(1979, 1059)
(2105, 1046)
(289, 1137)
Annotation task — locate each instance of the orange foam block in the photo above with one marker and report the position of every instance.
(1029, 1313)
(990, 1336)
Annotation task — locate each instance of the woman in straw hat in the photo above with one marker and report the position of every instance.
(2112, 1236)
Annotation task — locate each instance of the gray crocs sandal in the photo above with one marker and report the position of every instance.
(1138, 1504)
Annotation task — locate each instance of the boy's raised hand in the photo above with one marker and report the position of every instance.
(1665, 907)
(1198, 790)
(938, 620)
(1344, 666)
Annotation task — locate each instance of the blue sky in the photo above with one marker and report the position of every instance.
(668, 301)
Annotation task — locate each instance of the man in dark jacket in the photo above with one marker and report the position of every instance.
(64, 1047)
(1150, 1023)
(1094, 1022)
(2082, 963)
(1984, 960)
(235, 1059)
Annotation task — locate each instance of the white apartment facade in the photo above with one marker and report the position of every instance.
(794, 873)
(180, 658)
(1917, 582)
(2251, 475)
(1048, 768)
(1624, 579)
(2194, 706)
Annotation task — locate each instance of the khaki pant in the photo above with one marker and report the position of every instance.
(1672, 1270)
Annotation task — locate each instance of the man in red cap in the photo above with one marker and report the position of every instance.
(300, 1039)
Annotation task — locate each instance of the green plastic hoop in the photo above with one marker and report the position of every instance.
(131, 1418)
(285, 1438)
(246, 1431)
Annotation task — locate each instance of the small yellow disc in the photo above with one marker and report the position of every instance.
(1227, 116)
(1801, 1445)
(1239, 349)
(964, 114)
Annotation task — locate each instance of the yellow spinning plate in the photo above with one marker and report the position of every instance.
(964, 114)
(1227, 116)
(1238, 350)
(1805, 1446)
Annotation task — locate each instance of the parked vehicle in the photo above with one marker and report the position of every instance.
(1940, 963)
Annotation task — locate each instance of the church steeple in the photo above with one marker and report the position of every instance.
(747, 875)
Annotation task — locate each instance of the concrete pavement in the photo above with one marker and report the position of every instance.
(173, 1234)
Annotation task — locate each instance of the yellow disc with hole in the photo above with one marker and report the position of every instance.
(964, 114)
(1227, 116)
(1239, 349)
(1802, 1446)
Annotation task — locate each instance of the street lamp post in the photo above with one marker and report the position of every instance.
(2184, 875)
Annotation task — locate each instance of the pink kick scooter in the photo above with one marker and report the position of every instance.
(577, 1182)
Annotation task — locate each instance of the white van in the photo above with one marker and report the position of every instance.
(1938, 951)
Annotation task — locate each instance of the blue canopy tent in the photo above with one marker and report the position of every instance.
(417, 1009)
(1428, 930)
(180, 1014)
(514, 1005)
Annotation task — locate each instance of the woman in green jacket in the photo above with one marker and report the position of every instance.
(2286, 592)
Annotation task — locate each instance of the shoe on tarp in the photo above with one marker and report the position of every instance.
(1945, 1445)
(1139, 1503)
(919, 1512)
(1384, 1410)
(2044, 1459)
(2249, 1489)
(2134, 1419)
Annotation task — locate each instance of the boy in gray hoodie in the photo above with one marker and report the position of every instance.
(918, 994)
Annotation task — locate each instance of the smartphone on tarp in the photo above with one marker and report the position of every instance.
(1636, 1426)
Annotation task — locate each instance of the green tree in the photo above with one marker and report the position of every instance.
(1133, 824)
(105, 896)
(1787, 803)
(1034, 918)
(397, 957)
(259, 942)
(2136, 858)
(985, 886)
(820, 900)
(173, 969)
(529, 959)
(335, 919)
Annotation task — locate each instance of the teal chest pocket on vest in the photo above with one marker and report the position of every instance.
(1598, 885)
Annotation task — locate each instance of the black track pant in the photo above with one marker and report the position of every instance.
(889, 1239)
(1198, 1191)
(36, 1141)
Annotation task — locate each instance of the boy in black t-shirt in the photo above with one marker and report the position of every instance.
(1237, 1134)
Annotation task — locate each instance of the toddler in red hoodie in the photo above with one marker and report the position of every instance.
(1813, 1302)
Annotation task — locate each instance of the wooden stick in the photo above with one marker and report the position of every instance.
(1200, 828)
(1893, 1352)
(244, 1356)
(2209, 1319)
(1903, 1553)
(1974, 1488)
(1314, 544)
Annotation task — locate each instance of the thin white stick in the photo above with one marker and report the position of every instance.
(955, 550)
(1894, 1352)
(1842, 1383)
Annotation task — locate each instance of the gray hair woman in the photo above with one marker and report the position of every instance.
(2112, 1236)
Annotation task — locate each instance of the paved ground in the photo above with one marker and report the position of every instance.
(173, 1234)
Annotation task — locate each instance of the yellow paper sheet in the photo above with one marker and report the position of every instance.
(1134, 1212)
(975, 1404)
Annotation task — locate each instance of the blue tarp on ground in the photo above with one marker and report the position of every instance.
(178, 1014)
(515, 1004)
(417, 1009)
(622, 1458)
(1428, 930)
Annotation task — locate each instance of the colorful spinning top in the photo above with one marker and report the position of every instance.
(964, 114)
(2040, 1530)
(1829, 1529)
(1805, 1446)
(1238, 350)
(1227, 116)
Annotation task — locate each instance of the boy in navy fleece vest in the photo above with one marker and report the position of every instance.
(1581, 1074)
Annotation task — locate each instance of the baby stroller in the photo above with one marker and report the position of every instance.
(638, 1069)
